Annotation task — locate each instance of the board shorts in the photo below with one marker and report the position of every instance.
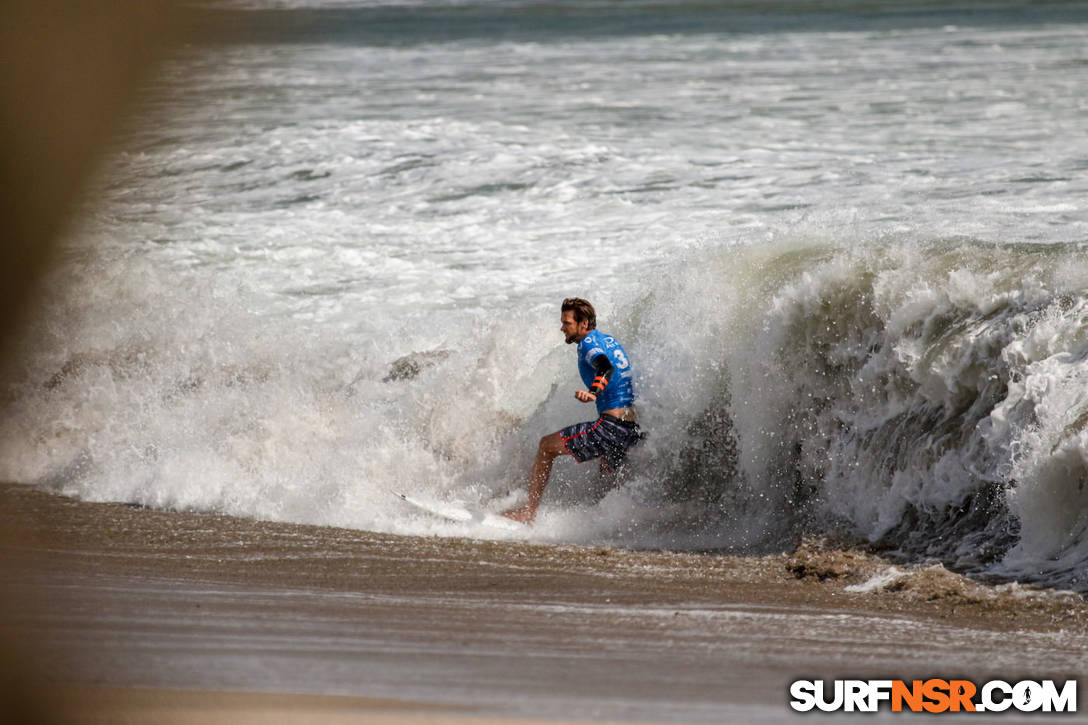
(607, 437)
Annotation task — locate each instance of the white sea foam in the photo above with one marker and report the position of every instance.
(878, 581)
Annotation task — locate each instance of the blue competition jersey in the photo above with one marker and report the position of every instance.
(620, 391)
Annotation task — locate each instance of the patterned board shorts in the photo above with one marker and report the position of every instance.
(607, 437)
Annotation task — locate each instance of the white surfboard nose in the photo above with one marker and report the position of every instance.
(461, 514)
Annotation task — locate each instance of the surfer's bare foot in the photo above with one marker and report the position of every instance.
(525, 514)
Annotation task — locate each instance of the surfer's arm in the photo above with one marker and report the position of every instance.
(604, 371)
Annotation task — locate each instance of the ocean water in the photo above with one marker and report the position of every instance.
(844, 243)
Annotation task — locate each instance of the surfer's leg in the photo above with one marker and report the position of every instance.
(551, 446)
(615, 439)
(609, 475)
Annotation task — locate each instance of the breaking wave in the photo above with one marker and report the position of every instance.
(927, 397)
(931, 398)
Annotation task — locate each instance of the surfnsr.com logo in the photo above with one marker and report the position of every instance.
(933, 696)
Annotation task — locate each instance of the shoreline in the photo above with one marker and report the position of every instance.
(113, 601)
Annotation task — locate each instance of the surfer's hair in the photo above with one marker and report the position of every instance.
(583, 311)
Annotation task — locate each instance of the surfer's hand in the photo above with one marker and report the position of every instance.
(585, 396)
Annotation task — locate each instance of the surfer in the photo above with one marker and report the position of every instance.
(606, 371)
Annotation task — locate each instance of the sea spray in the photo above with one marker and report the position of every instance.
(927, 396)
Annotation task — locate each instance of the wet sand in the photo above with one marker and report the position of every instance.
(116, 612)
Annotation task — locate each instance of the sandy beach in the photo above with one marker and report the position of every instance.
(126, 613)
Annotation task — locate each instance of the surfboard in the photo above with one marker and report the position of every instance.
(461, 514)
